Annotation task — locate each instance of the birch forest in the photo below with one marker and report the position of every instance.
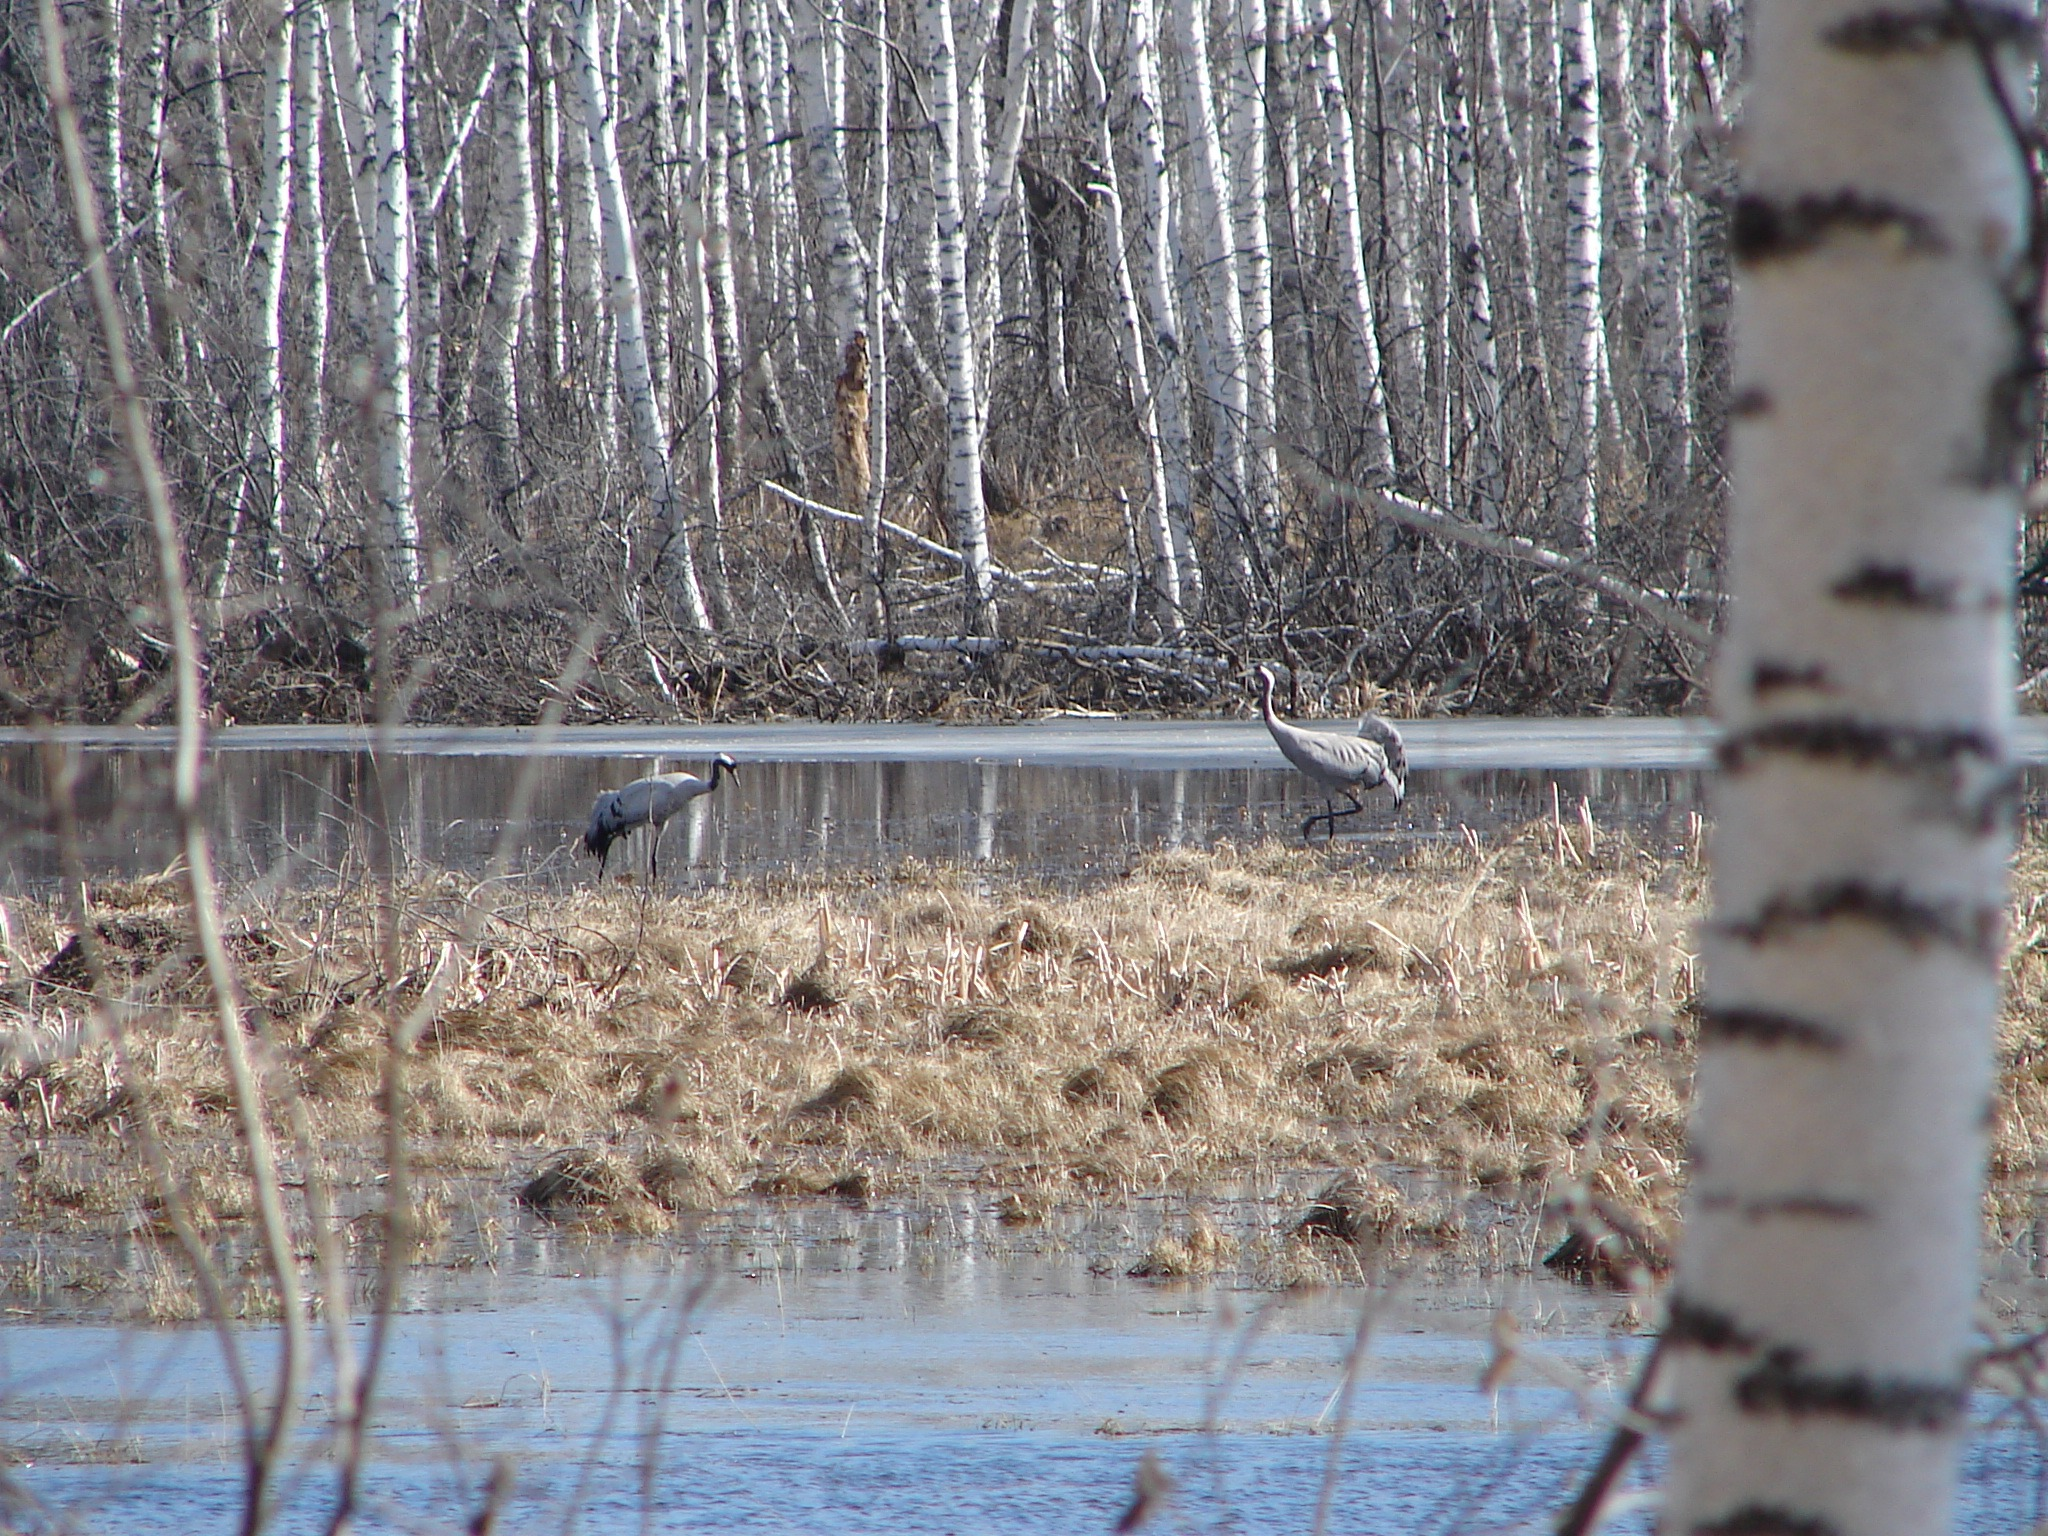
(822, 356)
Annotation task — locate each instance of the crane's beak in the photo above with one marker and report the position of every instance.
(1400, 789)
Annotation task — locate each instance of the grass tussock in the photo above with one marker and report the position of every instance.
(1508, 1016)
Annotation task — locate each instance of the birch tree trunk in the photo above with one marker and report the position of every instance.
(1370, 373)
(826, 166)
(160, 278)
(1664, 274)
(878, 387)
(1821, 1325)
(391, 275)
(1205, 219)
(1520, 267)
(299, 540)
(1583, 331)
(1165, 564)
(511, 280)
(636, 374)
(1468, 274)
(999, 175)
(721, 296)
(1254, 247)
(1400, 225)
(963, 397)
(1176, 447)
(264, 454)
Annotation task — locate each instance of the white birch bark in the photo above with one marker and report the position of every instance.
(1221, 343)
(963, 396)
(1326, 67)
(219, 171)
(878, 363)
(1665, 273)
(721, 297)
(1401, 223)
(1520, 270)
(310, 435)
(1821, 1327)
(1583, 329)
(112, 145)
(816, 39)
(818, 44)
(511, 279)
(352, 122)
(153, 68)
(1165, 562)
(1622, 221)
(1469, 275)
(548, 251)
(264, 454)
(636, 376)
(1246, 73)
(998, 177)
(583, 218)
(391, 276)
(1155, 278)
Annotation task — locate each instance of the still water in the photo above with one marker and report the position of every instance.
(874, 1374)
(1061, 799)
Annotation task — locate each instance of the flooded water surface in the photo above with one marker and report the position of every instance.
(874, 1382)
(1063, 799)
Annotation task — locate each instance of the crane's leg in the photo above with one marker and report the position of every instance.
(1323, 815)
(1356, 807)
(654, 854)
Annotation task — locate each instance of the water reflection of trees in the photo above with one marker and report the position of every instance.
(276, 812)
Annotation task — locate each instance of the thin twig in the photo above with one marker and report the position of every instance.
(132, 420)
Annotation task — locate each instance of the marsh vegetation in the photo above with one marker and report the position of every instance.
(1466, 1052)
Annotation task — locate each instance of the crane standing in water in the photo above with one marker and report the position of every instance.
(1338, 764)
(647, 802)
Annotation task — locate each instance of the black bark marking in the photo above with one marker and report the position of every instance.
(1697, 1326)
(1865, 743)
(1782, 1383)
(1772, 229)
(1960, 23)
(1816, 1207)
(1951, 762)
(1767, 1520)
(1913, 920)
(1770, 676)
(1752, 402)
(1768, 1027)
(1899, 586)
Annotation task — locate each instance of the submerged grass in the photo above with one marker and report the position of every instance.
(1507, 1017)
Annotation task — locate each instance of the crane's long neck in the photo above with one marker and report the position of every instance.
(1266, 702)
(717, 769)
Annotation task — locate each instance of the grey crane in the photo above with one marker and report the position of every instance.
(1339, 764)
(647, 802)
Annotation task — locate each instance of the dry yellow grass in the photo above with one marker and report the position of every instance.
(1508, 1016)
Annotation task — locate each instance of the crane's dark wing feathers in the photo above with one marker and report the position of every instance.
(607, 823)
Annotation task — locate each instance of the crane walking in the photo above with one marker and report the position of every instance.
(647, 802)
(1338, 764)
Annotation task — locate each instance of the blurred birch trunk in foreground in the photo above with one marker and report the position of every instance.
(1820, 1328)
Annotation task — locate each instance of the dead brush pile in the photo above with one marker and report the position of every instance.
(1511, 1016)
